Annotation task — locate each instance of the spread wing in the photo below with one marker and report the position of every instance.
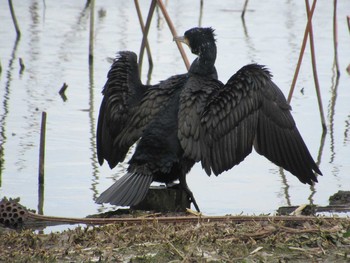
(231, 119)
(156, 99)
(278, 139)
(251, 110)
(121, 95)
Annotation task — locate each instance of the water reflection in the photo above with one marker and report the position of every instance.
(331, 110)
(29, 114)
(285, 188)
(5, 103)
(93, 158)
(249, 42)
(346, 130)
(72, 35)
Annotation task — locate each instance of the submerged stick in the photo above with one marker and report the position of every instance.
(42, 148)
(62, 91)
(314, 69)
(335, 38)
(21, 65)
(91, 39)
(14, 19)
(244, 9)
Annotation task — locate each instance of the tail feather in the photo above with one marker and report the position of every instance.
(127, 191)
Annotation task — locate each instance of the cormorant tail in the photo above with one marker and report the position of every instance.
(127, 191)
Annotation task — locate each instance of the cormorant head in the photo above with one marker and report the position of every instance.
(198, 39)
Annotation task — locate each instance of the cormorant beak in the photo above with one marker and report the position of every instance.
(182, 39)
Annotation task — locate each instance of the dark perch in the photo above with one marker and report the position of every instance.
(163, 199)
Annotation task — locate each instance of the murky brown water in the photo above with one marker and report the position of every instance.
(54, 48)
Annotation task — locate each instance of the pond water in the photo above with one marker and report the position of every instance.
(54, 49)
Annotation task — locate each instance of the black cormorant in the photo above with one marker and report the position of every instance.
(193, 117)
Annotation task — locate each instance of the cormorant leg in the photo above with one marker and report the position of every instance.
(184, 185)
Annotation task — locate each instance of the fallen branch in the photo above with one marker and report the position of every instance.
(12, 214)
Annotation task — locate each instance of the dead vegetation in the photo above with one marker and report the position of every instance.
(315, 240)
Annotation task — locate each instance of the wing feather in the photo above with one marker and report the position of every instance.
(250, 109)
(278, 138)
(121, 94)
(230, 119)
(155, 100)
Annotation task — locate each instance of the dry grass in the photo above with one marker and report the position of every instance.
(316, 240)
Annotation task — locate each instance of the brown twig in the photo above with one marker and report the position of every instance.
(145, 32)
(314, 69)
(302, 49)
(173, 31)
(148, 49)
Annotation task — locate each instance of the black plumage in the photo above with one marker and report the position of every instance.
(194, 117)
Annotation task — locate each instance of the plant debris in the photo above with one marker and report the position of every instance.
(138, 236)
(249, 241)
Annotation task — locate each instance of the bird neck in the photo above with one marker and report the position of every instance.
(204, 63)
